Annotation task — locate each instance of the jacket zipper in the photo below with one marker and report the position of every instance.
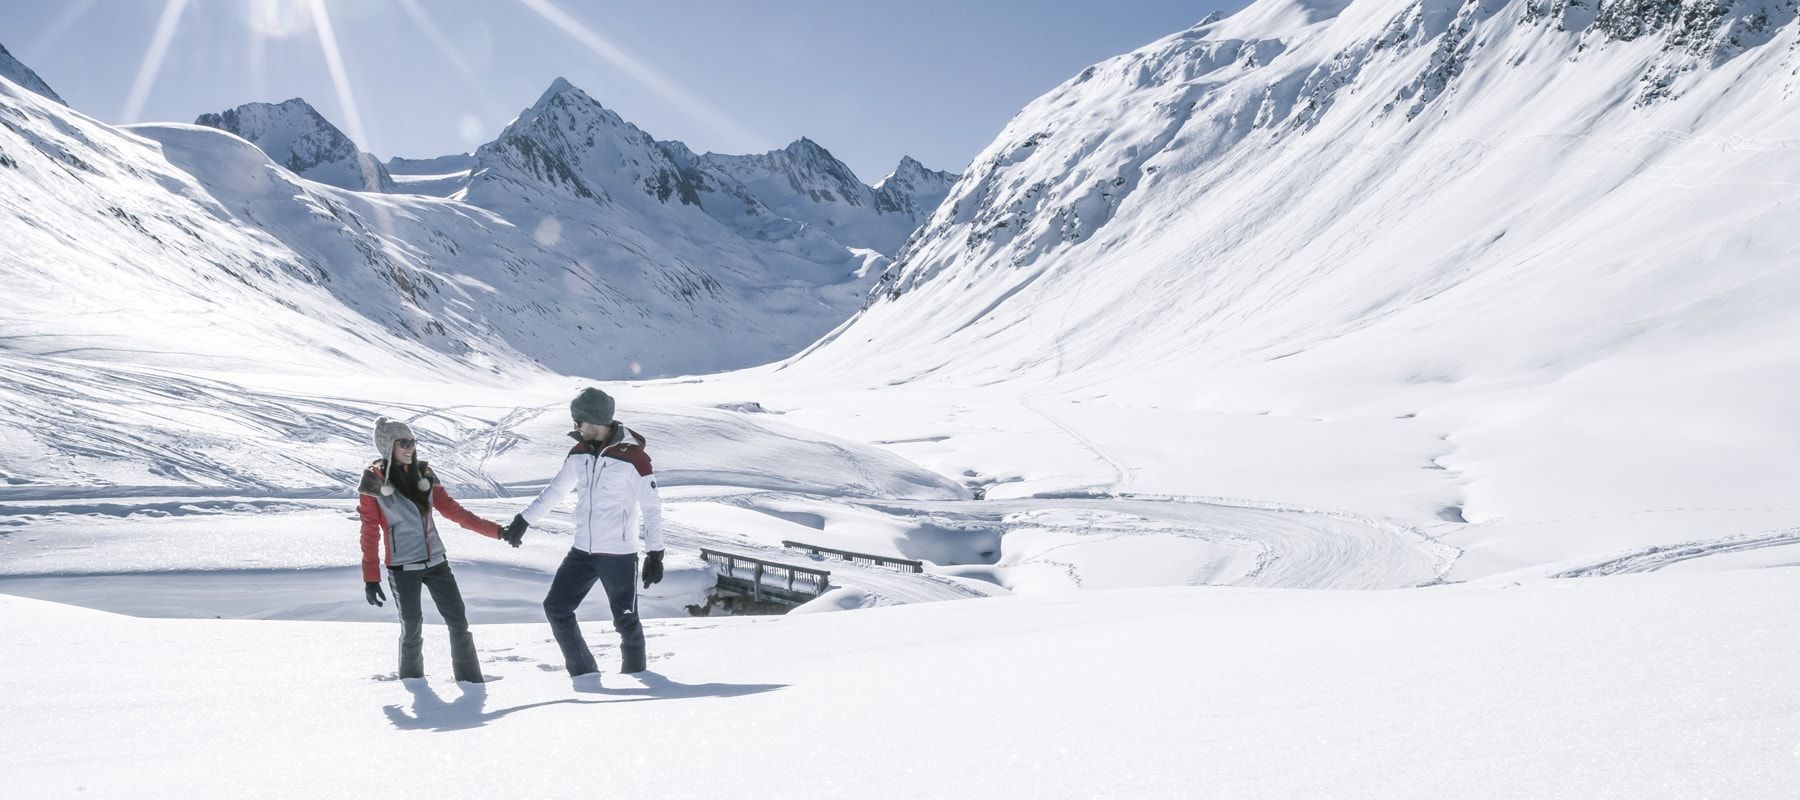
(593, 490)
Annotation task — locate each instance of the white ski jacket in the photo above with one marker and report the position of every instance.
(615, 491)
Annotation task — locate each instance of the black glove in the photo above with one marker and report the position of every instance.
(372, 591)
(514, 532)
(652, 567)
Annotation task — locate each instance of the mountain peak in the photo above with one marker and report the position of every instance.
(805, 148)
(558, 88)
(298, 137)
(914, 175)
(908, 169)
(14, 70)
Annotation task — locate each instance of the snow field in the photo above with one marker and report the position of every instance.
(1642, 686)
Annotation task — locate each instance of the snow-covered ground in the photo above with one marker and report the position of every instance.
(215, 498)
(1656, 686)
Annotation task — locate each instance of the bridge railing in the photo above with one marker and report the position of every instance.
(763, 579)
(900, 564)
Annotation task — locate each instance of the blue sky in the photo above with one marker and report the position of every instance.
(935, 79)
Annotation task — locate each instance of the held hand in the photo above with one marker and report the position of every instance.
(653, 569)
(514, 532)
(373, 593)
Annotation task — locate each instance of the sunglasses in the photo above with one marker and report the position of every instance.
(406, 443)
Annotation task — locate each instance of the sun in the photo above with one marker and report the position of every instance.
(274, 19)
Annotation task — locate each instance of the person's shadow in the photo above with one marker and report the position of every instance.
(431, 712)
(658, 687)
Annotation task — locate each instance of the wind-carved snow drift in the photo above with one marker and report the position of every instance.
(1555, 234)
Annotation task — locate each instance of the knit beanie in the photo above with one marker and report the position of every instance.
(386, 431)
(592, 405)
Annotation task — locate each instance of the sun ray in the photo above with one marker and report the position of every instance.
(334, 64)
(257, 56)
(441, 43)
(346, 96)
(153, 58)
(686, 101)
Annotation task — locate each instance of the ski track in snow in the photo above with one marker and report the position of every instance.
(163, 460)
(1289, 546)
(1357, 549)
(1651, 559)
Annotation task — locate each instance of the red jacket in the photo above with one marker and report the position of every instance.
(375, 526)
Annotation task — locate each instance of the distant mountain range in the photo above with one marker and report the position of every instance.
(574, 240)
(802, 182)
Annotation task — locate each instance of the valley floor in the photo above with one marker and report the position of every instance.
(1120, 616)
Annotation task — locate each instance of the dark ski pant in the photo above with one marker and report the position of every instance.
(406, 585)
(617, 575)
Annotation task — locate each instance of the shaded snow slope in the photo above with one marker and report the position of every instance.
(805, 182)
(1430, 693)
(1517, 265)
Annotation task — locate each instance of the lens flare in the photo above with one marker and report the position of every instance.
(548, 232)
(471, 130)
(153, 58)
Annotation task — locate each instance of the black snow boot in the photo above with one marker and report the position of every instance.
(631, 658)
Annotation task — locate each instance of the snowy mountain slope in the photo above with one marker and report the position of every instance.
(728, 200)
(1528, 264)
(296, 136)
(463, 279)
(443, 176)
(114, 254)
(805, 182)
(601, 191)
(12, 70)
(913, 189)
(625, 291)
(1438, 693)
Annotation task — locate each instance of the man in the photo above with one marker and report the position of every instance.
(398, 493)
(610, 472)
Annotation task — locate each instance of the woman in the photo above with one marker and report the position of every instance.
(398, 493)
